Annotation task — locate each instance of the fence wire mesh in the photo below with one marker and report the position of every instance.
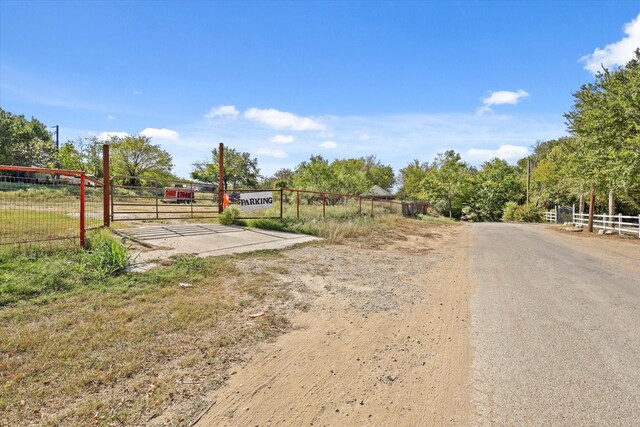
(46, 207)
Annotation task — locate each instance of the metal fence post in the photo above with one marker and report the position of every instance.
(298, 204)
(359, 205)
(82, 228)
(620, 224)
(106, 186)
(324, 211)
(573, 213)
(281, 201)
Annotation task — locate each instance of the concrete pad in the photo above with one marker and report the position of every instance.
(204, 240)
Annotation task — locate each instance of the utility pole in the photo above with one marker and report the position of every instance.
(528, 178)
(57, 138)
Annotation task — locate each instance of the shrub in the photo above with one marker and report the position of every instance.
(107, 255)
(229, 216)
(528, 213)
(509, 211)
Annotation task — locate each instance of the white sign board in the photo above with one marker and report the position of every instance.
(256, 201)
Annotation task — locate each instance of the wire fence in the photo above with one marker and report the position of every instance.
(161, 199)
(305, 204)
(48, 205)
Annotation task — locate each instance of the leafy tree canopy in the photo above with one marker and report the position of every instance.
(24, 142)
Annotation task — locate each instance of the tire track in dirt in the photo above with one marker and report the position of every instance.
(385, 341)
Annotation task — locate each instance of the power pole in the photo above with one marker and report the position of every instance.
(528, 178)
(57, 138)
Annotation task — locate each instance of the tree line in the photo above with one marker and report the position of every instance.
(601, 156)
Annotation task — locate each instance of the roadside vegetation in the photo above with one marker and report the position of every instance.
(84, 342)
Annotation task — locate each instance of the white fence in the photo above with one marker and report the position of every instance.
(550, 216)
(622, 224)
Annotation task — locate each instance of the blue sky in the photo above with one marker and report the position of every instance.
(284, 80)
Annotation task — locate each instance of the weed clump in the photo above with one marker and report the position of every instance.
(229, 216)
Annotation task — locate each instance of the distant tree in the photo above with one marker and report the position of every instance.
(135, 157)
(24, 142)
(411, 180)
(315, 175)
(282, 178)
(447, 181)
(377, 173)
(492, 187)
(68, 157)
(240, 170)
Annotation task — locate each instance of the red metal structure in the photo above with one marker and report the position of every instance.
(178, 195)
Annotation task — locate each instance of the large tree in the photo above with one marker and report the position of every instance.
(24, 142)
(240, 170)
(606, 119)
(135, 158)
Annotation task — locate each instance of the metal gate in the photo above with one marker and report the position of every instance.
(158, 199)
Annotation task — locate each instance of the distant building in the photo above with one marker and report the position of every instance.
(378, 192)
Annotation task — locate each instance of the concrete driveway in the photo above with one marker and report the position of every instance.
(163, 241)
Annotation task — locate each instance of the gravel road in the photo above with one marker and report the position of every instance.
(556, 327)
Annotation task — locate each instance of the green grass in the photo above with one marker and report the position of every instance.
(25, 224)
(93, 349)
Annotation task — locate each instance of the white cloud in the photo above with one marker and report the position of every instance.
(615, 54)
(269, 152)
(136, 92)
(501, 97)
(510, 153)
(282, 139)
(111, 117)
(160, 133)
(104, 136)
(328, 144)
(226, 111)
(282, 120)
(363, 136)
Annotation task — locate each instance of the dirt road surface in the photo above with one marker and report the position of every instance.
(556, 327)
(384, 342)
(482, 324)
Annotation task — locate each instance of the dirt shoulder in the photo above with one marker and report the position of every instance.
(384, 338)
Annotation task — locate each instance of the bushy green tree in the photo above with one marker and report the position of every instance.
(135, 158)
(411, 180)
(495, 184)
(25, 142)
(240, 170)
(605, 118)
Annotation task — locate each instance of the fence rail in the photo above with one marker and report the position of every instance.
(622, 224)
(47, 205)
(298, 203)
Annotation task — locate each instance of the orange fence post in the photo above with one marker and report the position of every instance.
(106, 214)
(82, 228)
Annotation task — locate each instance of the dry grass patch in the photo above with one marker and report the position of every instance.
(140, 348)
